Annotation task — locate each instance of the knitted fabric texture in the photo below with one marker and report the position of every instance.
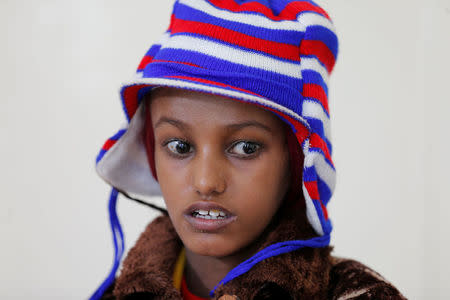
(277, 55)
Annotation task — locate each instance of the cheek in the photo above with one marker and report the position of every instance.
(263, 184)
(172, 179)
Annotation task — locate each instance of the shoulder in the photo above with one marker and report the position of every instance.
(350, 279)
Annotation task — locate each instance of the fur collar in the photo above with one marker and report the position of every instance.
(148, 267)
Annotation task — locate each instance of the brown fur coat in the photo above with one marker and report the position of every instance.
(308, 273)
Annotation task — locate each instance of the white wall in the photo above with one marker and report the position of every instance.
(61, 64)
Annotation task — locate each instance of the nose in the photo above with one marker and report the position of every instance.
(208, 175)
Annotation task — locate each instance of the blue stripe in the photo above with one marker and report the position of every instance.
(115, 137)
(317, 127)
(279, 88)
(311, 76)
(153, 50)
(281, 36)
(324, 190)
(212, 63)
(309, 174)
(118, 135)
(100, 156)
(320, 33)
(275, 6)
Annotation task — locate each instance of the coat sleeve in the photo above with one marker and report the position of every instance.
(350, 279)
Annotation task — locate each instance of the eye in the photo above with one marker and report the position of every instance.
(245, 148)
(179, 147)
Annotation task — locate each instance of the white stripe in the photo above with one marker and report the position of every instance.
(300, 24)
(244, 18)
(311, 212)
(325, 172)
(165, 37)
(238, 56)
(312, 109)
(313, 64)
(220, 91)
(314, 19)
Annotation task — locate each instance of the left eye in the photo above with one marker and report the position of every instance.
(245, 148)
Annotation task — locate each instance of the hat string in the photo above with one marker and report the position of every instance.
(119, 245)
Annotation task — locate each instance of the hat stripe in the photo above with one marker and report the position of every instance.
(277, 91)
(289, 12)
(109, 143)
(279, 50)
(277, 35)
(314, 77)
(303, 19)
(231, 54)
(323, 34)
(309, 63)
(213, 83)
(144, 62)
(212, 63)
(320, 50)
(316, 141)
(311, 212)
(316, 92)
(313, 110)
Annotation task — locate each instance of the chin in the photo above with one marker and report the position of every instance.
(205, 245)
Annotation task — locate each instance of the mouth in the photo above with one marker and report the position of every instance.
(208, 217)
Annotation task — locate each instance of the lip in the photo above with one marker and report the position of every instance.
(208, 225)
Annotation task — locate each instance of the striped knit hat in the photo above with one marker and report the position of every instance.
(277, 54)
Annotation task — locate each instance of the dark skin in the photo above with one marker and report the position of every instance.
(213, 150)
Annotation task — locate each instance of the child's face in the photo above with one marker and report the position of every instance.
(222, 156)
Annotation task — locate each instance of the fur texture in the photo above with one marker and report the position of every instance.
(308, 273)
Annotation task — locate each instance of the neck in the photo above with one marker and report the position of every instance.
(202, 273)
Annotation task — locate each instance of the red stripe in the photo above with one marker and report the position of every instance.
(281, 50)
(130, 99)
(290, 12)
(108, 144)
(324, 209)
(313, 191)
(144, 62)
(317, 142)
(212, 82)
(319, 49)
(315, 91)
(176, 62)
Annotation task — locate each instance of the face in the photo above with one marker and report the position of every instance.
(223, 168)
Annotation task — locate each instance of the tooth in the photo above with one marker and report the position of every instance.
(214, 212)
(207, 217)
(222, 214)
(202, 212)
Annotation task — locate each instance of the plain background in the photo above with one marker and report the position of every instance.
(61, 65)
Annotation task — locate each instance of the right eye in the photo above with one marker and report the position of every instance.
(179, 147)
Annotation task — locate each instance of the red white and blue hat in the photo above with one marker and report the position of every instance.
(276, 54)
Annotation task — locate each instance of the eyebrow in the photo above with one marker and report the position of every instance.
(236, 126)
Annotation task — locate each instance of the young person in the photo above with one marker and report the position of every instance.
(229, 122)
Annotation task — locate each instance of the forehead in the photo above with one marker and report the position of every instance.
(199, 106)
